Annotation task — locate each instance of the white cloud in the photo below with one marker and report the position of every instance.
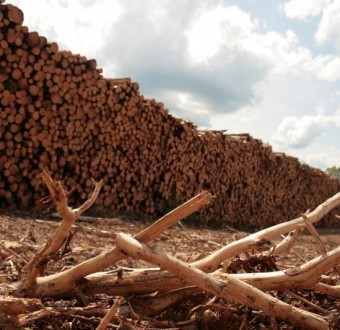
(303, 9)
(213, 53)
(185, 55)
(329, 26)
(298, 133)
(78, 26)
(213, 28)
(232, 31)
(336, 118)
(324, 67)
(324, 159)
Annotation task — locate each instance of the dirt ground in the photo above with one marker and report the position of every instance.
(22, 234)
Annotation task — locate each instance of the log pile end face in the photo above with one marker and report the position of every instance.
(58, 113)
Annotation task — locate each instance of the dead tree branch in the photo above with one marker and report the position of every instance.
(146, 281)
(231, 288)
(211, 262)
(61, 283)
(69, 216)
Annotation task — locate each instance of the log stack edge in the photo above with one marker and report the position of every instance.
(60, 114)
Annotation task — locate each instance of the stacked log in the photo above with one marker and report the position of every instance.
(60, 114)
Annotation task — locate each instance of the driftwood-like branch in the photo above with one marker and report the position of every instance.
(69, 216)
(61, 284)
(230, 288)
(91, 311)
(314, 233)
(211, 262)
(109, 315)
(327, 289)
(171, 289)
(287, 243)
(29, 318)
(146, 281)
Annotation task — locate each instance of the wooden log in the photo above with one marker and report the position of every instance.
(14, 14)
(33, 39)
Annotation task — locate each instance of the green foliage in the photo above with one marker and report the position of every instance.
(333, 171)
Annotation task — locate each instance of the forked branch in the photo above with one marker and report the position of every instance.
(69, 216)
(61, 284)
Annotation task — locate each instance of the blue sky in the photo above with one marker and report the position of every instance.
(265, 67)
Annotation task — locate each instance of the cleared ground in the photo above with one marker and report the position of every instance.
(24, 234)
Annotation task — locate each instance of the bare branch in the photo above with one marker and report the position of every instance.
(79, 211)
(61, 283)
(211, 262)
(110, 314)
(287, 243)
(314, 233)
(232, 288)
(327, 289)
(69, 216)
(146, 281)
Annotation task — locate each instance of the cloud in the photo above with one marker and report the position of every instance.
(198, 58)
(302, 9)
(213, 53)
(324, 159)
(63, 3)
(72, 24)
(300, 132)
(328, 29)
(323, 67)
(207, 33)
(336, 118)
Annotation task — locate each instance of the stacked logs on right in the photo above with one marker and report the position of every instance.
(60, 114)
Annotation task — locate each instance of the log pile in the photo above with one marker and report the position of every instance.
(229, 282)
(60, 114)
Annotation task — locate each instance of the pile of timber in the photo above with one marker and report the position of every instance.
(60, 114)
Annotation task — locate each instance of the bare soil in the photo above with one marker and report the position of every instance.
(25, 233)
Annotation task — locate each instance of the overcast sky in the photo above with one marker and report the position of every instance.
(265, 67)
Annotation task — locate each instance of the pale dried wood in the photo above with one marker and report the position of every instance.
(14, 306)
(31, 317)
(231, 288)
(287, 243)
(61, 283)
(110, 314)
(327, 289)
(146, 281)
(309, 226)
(155, 304)
(69, 216)
(211, 262)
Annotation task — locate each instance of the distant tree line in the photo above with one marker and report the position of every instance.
(333, 171)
